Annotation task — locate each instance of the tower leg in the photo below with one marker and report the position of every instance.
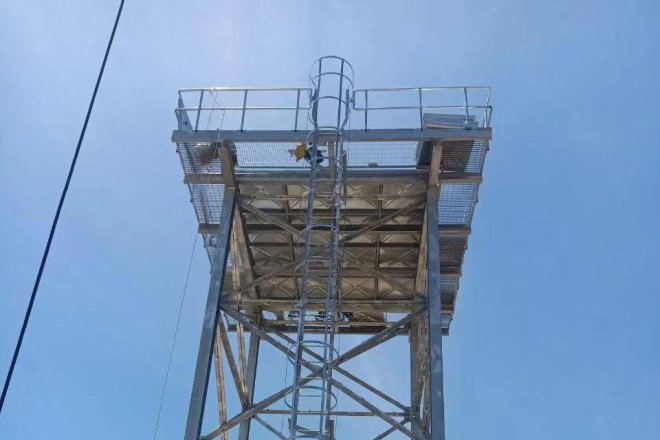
(207, 340)
(253, 358)
(436, 394)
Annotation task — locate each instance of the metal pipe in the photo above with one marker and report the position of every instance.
(199, 109)
(245, 93)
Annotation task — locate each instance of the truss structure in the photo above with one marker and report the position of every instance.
(407, 197)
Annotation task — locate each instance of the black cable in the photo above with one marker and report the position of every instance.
(57, 214)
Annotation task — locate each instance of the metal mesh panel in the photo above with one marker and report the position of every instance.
(451, 251)
(382, 154)
(463, 156)
(448, 285)
(360, 155)
(457, 203)
(269, 155)
(207, 200)
(199, 158)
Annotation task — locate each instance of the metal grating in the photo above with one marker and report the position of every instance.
(201, 158)
(382, 154)
(457, 203)
(463, 156)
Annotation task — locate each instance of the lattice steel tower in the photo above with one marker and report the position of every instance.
(325, 211)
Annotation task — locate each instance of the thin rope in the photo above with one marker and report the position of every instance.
(286, 381)
(53, 227)
(176, 332)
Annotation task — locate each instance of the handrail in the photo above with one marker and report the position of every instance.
(423, 100)
(420, 106)
(244, 108)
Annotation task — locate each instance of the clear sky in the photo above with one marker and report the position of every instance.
(558, 325)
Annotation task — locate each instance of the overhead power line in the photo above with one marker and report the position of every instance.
(53, 227)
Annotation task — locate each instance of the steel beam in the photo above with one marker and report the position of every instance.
(240, 386)
(372, 135)
(334, 413)
(353, 229)
(391, 430)
(379, 274)
(293, 176)
(364, 305)
(220, 384)
(436, 395)
(212, 312)
(267, 425)
(458, 231)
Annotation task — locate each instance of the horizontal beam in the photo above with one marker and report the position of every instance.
(345, 305)
(445, 231)
(300, 176)
(353, 272)
(334, 413)
(321, 194)
(373, 135)
(387, 229)
(355, 328)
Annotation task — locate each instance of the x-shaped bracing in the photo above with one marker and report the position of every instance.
(253, 410)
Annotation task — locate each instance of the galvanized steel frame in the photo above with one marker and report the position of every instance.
(243, 303)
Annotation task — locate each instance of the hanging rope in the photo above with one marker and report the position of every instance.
(53, 227)
(176, 332)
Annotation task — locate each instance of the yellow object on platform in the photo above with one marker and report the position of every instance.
(300, 151)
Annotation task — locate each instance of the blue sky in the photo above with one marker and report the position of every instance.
(557, 329)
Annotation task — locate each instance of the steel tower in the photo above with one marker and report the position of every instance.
(327, 211)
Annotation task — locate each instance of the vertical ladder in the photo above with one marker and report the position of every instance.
(328, 115)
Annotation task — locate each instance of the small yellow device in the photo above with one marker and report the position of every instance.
(300, 151)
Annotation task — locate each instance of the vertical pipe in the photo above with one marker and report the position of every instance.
(467, 109)
(421, 113)
(199, 108)
(366, 108)
(245, 92)
(211, 315)
(295, 125)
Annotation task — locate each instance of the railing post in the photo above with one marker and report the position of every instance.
(295, 126)
(421, 115)
(467, 109)
(199, 108)
(366, 107)
(245, 92)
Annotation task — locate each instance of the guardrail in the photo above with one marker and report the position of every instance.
(421, 104)
(221, 94)
(474, 101)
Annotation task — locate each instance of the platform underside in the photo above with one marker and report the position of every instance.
(382, 219)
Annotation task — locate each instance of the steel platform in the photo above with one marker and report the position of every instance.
(250, 198)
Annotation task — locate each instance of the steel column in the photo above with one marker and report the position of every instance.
(436, 395)
(207, 340)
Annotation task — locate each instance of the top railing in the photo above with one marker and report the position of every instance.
(285, 108)
(212, 100)
(464, 102)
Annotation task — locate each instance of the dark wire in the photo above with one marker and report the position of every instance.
(44, 258)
